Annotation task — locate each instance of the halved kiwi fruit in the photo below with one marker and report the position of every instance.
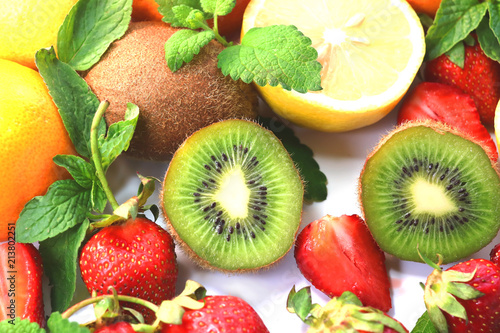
(232, 197)
(427, 186)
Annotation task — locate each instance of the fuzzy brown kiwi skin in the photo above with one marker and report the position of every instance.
(436, 126)
(187, 249)
(172, 105)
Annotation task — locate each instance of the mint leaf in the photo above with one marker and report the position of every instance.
(118, 137)
(188, 17)
(488, 41)
(454, 21)
(183, 45)
(60, 258)
(89, 28)
(19, 326)
(82, 171)
(77, 104)
(314, 180)
(424, 325)
(218, 7)
(57, 324)
(494, 17)
(166, 9)
(65, 205)
(274, 55)
(98, 196)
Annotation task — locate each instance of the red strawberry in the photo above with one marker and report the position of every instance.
(495, 255)
(338, 254)
(220, 314)
(450, 105)
(119, 327)
(136, 257)
(467, 294)
(21, 283)
(345, 313)
(479, 78)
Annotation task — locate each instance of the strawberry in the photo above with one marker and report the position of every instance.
(495, 255)
(136, 257)
(345, 313)
(21, 283)
(219, 314)
(450, 105)
(119, 327)
(465, 298)
(479, 78)
(338, 254)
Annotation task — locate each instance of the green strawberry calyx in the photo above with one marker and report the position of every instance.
(345, 313)
(441, 291)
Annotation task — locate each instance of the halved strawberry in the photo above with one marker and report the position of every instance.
(450, 105)
(338, 254)
(21, 283)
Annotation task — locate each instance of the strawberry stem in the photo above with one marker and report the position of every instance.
(70, 311)
(96, 154)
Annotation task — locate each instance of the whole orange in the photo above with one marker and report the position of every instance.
(145, 10)
(31, 134)
(428, 7)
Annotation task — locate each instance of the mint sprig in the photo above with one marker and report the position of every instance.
(89, 28)
(274, 55)
(454, 22)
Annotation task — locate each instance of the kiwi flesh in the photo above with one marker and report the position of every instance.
(427, 186)
(232, 197)
(172, 105)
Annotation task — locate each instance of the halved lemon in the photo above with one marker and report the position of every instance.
(371, 50)
(496, 124)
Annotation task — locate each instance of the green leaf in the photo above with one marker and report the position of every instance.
(77, 104)
(300, 302)
(19, 326)
(57, 324)
(218, 7)
(488, 41)
(60, 258)
(181, 47)
(188, 17)
(494, 17)
(274, 55)
(424, 325)
(89, 28)
(454, 21)
(82, 171)
(98, 196)
(118, 137)
(65, 205)
(314, 179)
(166, 9)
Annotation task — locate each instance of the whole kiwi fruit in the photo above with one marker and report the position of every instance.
(172, 105)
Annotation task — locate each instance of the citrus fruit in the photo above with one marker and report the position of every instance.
(29, 25)
(497, 124)
(428, 7)
(31, 134)
(370, 50)
(145, 10)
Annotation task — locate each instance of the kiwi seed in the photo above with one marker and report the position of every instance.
(232, 197)
(172, 105)
(428, 186)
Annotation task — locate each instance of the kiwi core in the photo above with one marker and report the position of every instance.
(233, 193)
(430, 198)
